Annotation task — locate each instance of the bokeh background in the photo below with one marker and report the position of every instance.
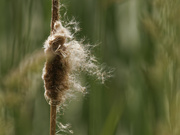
(137, 38)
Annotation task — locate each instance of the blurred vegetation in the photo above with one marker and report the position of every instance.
(139, 38)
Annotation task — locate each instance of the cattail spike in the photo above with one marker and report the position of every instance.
(54, 69)
(65, 58)
(55, 74)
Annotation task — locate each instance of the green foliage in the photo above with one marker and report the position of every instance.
(140, 39)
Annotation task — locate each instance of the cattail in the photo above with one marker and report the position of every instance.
(57, 65)
(55, 72)
(65, 59)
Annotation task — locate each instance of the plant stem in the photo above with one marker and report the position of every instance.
(53, 120)
(55, 17)
(55, 13)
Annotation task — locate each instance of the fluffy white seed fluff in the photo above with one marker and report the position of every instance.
(79, 57)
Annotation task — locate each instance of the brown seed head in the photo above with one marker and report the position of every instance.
(56, 70)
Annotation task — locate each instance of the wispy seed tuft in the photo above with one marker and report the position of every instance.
(66, 59)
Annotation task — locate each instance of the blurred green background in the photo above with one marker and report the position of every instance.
(138, 38)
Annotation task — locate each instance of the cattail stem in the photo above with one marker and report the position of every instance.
(55, 17)
(55, 13)
(53, 120)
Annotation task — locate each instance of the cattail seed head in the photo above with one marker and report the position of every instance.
(66, 59)
(55, 73)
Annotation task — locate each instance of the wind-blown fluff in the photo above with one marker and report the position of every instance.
(66, 58)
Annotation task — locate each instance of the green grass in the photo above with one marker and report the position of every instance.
(139, 39)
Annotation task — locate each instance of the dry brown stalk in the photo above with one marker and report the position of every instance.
(55, 13)
(55, 17)
(53, 120)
